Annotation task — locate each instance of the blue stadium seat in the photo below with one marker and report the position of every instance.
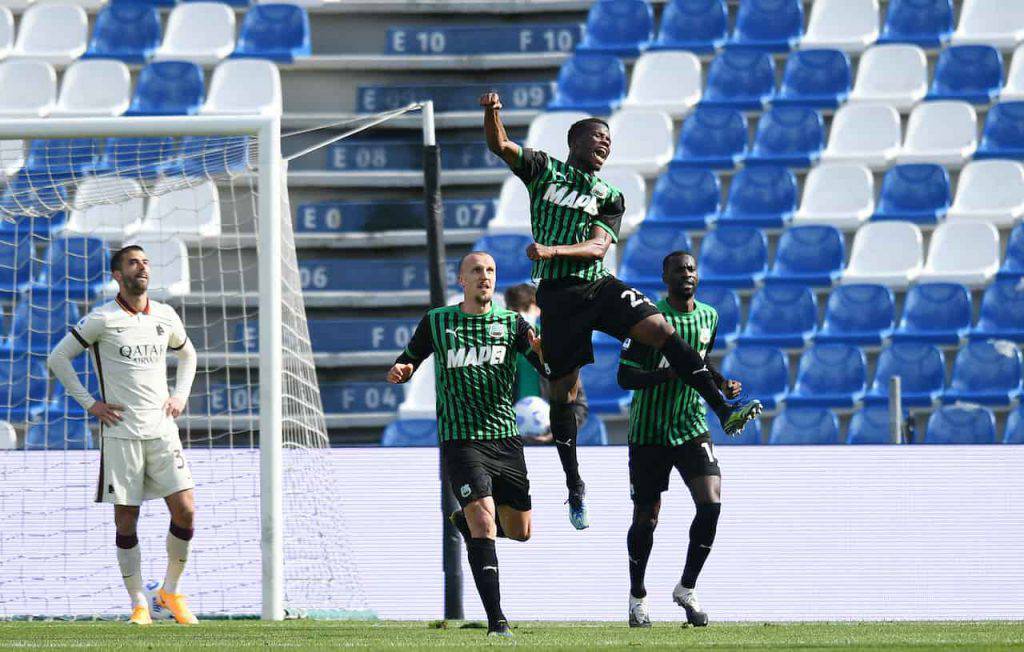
(640, 263)
(858, 314)
(279, 32)
(809, 255)
(208, 156)
(763, 196)
(927, 23)
(41, 319)
(1013, 264)
(829, 375)
(986, 372)
(126, 31)
(60, 159)
(690, 198)
(360, 397)
(768, 25)
(781, 315)
(15, 265)
(939, 313)
(410, 432)
(1003, 135)
(915, 192)
(74, 267)
(696, 25)
(804, 427)
(763, 370)
(592, 432)
(711, 138)
(600, 378)
(733, 256)
(60, 404)
(22, 386)
(1014, 433)
(727, 304)
(59, 433)
(159, 3)
(749, 436)
(961, 425)
(819, 79)
(509, 252)
(592, 83)
(620, 27)
(972, 73)
(870, 425)
(922, 372)
(788, 135)
(168, 88)
(740, 80)
(1002, 312)
(139, 158)
(37, 204)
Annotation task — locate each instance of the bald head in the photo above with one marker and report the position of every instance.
(478, 276)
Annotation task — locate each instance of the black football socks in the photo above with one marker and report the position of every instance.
(563, 430)
(702, 535)
(483, 560)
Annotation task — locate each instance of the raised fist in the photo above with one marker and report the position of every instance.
(490, 101)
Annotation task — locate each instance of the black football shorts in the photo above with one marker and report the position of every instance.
(497, 468)
(650, 466)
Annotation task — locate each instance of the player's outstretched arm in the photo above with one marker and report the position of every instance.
(631, 374)
(497, 140)
(188, 361)
(59, 364)
(593, 248)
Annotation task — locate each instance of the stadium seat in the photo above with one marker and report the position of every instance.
(749, 436)
(695, 25)
(768, 25)
(886, 253)
(94, 88)
(75, 267)
(922, 372)
(997, 24)
(634, 192)
(1013, 264)
(23, 382)
(841, 195)
(712, 138)
(1014, 88)
(963, 252)
(989, 191)
(869, 425)
(128, 31)
(279, 32)
(622, 28)
(788, 135)
(927, 23)
(763, 196)
(548, 132)
(819, 79)
(52, 32)
(939, 313)
(690, 198)
(201, 32)
(513, 212)
(961, 425)
(591, 83)
(781, 315)
(727, 305)
(244, 87)
(847, 25)
(420, 401)
(191, 212)
(986, 372)
(169, 265)
(917, 192)
(107, 207)
(763, 370)
(740, 79)
(641, 259)
(168, 88)
(600, 378)
(804, 426)
(868, 134)
(15, 265)
(829, 375)
(858, 314)
(59, 433)
(896, 75)
(513, 267)
(410, 432)
(1002, 312)
(1014, 433)
(36, 82)
(592, 433)
(139, 158)
(37, 206)
(641, 140)
(210, 156)
(665, 81)
(56, 160)
(733, 256)
(972, 73)
(6, 31)
(943, 132)
(808, 255)
(41, 318)
(1003, 135)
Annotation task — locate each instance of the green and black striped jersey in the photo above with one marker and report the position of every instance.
(566, 203)
(474, 368)
(671, 413)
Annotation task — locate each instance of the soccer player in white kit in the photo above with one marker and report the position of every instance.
(140, 451)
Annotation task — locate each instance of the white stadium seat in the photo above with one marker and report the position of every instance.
(169, 274)
(36, 84)
(944, 132)
(634, 193)
(6, 31)
(202, 32)
(1014, 88)
(107, 207)
(244, 86)
(892, 74)
(95, 87)
(962, 252)
(56, 33)
(848, 25)
(513, 213)
(186, 212)
(667, 81)
(420, 400)
(839, 194)
(641, 139)
(16, 5)
(984, 22)
(886, 253)
(864, 133)
(548, 132)
(991, 191)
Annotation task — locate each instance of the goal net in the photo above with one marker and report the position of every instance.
(199, 195)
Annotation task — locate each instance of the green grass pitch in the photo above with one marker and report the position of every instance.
(323, 635)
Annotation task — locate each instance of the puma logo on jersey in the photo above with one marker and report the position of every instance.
(475, 356)
(562, 196)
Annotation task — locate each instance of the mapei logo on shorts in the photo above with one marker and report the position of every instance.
(497, 331)
(475, 356)
(465, 490)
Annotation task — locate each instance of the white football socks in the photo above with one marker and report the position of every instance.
(130, 561)
(177, 555)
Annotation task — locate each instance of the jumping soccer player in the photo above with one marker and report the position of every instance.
(575, 218)
(475, 345)
(667, 429)
(140, 451)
